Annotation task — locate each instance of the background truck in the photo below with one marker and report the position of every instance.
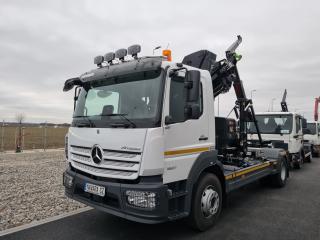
(313, 135)
(145, 144)
(285, 130)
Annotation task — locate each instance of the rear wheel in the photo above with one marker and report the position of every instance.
(280, 179)
(206, 203)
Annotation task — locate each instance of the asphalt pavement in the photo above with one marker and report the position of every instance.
(254, 212)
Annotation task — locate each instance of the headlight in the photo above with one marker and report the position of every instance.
(66, 146)
(141, 199)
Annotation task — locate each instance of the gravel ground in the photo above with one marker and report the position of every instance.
(31, 188)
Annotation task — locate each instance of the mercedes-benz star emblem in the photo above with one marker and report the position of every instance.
(96, 154)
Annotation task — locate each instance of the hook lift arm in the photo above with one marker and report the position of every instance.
(224, 74)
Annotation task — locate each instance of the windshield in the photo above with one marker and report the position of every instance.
(312, 128)
(272, 124)
(132, 100)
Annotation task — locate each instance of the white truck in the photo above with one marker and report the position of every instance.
(283, 130)
(145, 145)
(313, 134)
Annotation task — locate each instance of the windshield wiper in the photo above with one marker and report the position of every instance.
(123, 115)
(91, 124)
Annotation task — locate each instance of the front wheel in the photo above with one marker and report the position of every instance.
(298, 163)
(280, 179)
(310, 157)
(206, 203)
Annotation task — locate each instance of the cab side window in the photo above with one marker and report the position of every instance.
(178, 97)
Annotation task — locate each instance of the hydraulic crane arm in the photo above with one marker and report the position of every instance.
(284, 106)
(316, 108)
(224, 74)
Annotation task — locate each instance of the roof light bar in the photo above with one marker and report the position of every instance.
(121, 53)
(108, 57)
(134, 50)
(98, 60)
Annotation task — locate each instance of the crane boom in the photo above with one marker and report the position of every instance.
(284, 106)
(316, 108)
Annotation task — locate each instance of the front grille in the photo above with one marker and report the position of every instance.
(109, 153)
(100, 171)
(115, 164)
(84, 150)
(80, 157)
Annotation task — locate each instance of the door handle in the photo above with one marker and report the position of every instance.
(203, 138)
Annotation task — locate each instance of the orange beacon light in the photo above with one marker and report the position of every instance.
(167, 53)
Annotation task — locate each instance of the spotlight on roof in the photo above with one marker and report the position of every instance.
(108, 57)
(121, 53)
(134, 50)
(98, 60)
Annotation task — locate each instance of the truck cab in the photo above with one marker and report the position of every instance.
(313, 136)
(282, 130)
(144, 144)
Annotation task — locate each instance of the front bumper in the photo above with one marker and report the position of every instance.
(114, 202)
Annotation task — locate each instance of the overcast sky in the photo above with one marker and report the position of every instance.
(42, 43)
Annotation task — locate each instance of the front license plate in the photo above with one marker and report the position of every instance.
(95, 189)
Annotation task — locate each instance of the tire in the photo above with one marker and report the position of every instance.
(280, 179)
(298, 165)
(313, 152)
(310, 158)
(206, 203)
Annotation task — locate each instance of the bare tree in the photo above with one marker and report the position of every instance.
(20, 117)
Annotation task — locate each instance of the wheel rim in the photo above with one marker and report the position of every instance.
(209, 202)
(283, 172)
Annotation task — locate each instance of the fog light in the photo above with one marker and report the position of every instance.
(141, 199)
(67, 180)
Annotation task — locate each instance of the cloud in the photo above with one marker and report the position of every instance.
(45, 42)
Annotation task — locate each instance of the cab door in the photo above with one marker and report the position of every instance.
(297, 140)
(185, 138)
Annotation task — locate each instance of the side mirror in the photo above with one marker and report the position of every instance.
(192, 111)
(304, 123)
(192, 83)
(306, 131)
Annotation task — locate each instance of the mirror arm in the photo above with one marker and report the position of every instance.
(173, 72)
(75, 98)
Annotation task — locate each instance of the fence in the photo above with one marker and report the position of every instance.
(32, 137)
